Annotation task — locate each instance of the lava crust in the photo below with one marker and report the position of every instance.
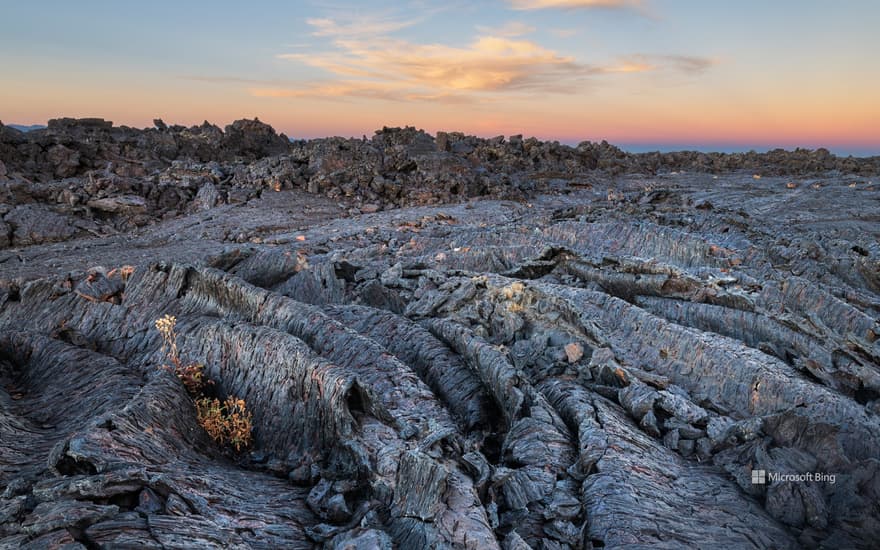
(596, 358)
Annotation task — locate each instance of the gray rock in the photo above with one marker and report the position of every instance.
(207, 197)
(149, 502)
(718, 428)
(36, 224)
(5, 234)
(649, 424)
(361, 539)
(65, 161)
(122, 204)
(638, 399)
(681, 407)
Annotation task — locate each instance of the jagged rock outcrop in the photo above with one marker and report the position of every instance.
(76, 166)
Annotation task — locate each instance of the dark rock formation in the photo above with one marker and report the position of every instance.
(601, 363)
(75, 164)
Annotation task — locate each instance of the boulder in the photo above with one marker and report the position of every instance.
(65, 161)
(37, 224)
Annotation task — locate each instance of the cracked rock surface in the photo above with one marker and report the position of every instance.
(600, 363)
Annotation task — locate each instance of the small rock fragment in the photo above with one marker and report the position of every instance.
(121, 204)
(370, 208)
(574, 351)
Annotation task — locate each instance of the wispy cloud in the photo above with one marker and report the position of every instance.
(689, 63)
(685, 64)
(371, 63)
(228, 79)
(343, 89)
(510, 29)
(358, 27)
(336, 89)
(573, 4)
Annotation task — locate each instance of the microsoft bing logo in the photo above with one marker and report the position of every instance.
(759, 477)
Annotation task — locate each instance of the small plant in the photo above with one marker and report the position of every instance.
(191, 374)
(165, 325)
(226, 422)
(124, 272)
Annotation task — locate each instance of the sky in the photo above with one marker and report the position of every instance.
(646, 74)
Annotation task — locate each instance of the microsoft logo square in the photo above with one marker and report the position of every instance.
(759, 477)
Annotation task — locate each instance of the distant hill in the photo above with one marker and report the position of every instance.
(24, 128)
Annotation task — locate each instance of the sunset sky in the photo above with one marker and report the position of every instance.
(653, 73)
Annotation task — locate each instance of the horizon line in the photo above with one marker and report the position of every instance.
(634, 146)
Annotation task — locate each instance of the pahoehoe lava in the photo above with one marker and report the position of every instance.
(444, 342)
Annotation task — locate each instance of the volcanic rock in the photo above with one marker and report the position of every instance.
(522, 345)
(35, 224)
(119, 204)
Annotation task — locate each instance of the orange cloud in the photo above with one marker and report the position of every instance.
(687, 64)
(375, 65)
(490, 63)
(367, 62)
